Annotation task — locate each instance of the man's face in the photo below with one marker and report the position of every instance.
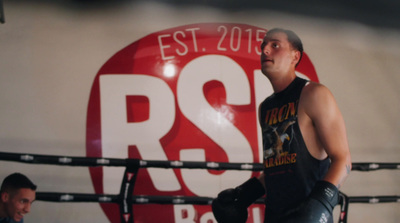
(19, 203)
(277, 54)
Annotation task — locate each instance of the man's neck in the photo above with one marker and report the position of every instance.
(2, 211)
(281, 83)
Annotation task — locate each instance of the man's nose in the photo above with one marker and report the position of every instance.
(266, 50)
(27, 208)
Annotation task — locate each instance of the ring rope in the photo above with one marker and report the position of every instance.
(92, 162)
(150, 199)
(126, 201)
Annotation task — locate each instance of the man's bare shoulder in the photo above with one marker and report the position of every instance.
(316, 98)
(315, 88)
(315, 91)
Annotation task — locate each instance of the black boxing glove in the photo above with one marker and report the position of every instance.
(317, 208)
(231, 204)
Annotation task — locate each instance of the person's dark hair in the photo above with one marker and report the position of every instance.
(16, 181)
(293, 39)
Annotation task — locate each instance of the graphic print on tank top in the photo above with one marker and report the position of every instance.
(275, 137)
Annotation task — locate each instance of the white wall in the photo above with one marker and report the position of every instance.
(49, 56)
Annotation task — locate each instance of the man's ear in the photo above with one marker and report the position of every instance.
(5, 196)
(296, 56)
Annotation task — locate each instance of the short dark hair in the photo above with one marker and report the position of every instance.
(16, 181)
(293, 39)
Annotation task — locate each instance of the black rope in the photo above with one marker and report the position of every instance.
(374, 199)
(137, 163)
(61, 160)
(375, 166)
(76, 197)
(152, 199)
(92, 161)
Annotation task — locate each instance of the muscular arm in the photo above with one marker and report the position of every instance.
(329, 130)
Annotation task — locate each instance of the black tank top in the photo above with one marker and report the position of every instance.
(290, 170)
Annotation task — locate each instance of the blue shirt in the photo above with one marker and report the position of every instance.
(10, 220)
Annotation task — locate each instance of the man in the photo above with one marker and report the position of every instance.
(17, 194)
(306, 153)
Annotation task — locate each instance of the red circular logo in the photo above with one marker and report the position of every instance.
(188, 93)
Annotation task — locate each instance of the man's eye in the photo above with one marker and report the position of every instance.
(275, 45)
